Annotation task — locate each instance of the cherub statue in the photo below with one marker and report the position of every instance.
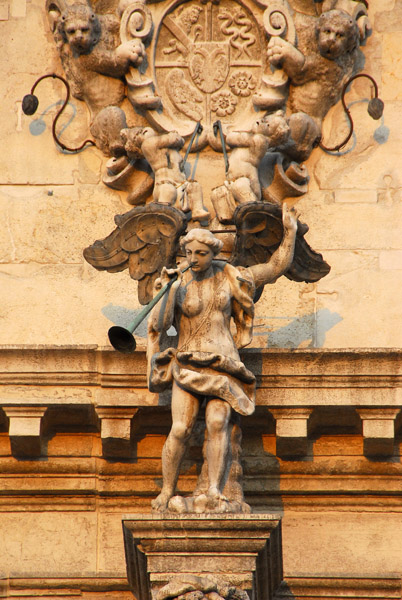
(206, 363)
(162, 153)
(320, 67)
(249, 148)
(93, 58)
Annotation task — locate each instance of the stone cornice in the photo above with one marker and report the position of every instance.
(104, 367)
(292, 384)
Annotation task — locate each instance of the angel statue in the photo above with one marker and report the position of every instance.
(206, 363)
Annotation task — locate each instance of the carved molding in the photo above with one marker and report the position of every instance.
(101, 588)
(291, 384)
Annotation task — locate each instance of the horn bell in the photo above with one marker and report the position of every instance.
(121, 339)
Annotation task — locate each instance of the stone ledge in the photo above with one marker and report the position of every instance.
(332, 588)
(104, 367)
(93, 588)
(297, 587)
(291, 384)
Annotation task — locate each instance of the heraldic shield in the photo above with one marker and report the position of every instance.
(207, 62)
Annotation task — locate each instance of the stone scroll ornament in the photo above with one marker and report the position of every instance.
(252, 80)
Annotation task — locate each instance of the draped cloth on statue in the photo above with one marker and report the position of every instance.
(213, 374)
(207, 374)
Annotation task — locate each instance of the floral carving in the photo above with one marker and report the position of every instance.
(223, 103)
(242, 83)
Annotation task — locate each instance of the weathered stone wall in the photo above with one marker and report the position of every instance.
(307, 456)
(52, 205)
(61, 509)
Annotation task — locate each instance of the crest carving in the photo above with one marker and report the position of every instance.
(213, 52)
(251, 79)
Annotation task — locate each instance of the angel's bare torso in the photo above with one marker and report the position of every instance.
(203, 313)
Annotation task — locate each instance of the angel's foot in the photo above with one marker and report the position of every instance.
(161, 502)
(214, 494)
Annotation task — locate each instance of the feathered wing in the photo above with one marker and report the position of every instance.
(259, 233)
(144, 241)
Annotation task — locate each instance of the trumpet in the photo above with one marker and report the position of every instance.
(122, 338)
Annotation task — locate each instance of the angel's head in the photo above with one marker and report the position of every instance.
(200, 247)
(106, 128)
(133, 138)
(337, 34)
(274, 127)
(305, 135)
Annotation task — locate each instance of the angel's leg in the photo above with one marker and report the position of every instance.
(165, 193)
(184, 413)
(245, 189)
(217, 417)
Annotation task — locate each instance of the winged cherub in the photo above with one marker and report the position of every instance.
(248, 149)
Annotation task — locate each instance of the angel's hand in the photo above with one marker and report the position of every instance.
(132, 51)
(168, 274)
(283, 54)
(289, 218)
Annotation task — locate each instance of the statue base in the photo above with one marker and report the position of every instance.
(167, 552)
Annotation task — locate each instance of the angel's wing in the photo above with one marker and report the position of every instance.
(259, 233)
(144, 241)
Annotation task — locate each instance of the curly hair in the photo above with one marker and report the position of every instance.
(204, 237)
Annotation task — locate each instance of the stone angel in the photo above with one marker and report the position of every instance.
(206, 362)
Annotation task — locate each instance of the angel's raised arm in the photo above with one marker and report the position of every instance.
(282, 258)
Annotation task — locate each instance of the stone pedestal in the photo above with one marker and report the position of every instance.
(243, 550)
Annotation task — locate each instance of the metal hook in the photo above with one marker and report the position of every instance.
(197, 131)
(375, 110)
(30, 103)
(217, 126)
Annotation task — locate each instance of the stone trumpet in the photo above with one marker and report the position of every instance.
(122, 338)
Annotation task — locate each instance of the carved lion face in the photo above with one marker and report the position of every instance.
(337, 34)
(80, 27)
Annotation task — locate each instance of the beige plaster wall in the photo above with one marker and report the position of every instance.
(53, 205)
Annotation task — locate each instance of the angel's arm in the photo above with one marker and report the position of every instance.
(239, 139)
(162, 315)
(282, 258)
(297, 66)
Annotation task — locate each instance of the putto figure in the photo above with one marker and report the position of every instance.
(249, 148)
(162, 153)
(206, 363)
(321, 65)
(93, 58)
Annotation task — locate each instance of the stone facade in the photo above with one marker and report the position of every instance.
(80, 434)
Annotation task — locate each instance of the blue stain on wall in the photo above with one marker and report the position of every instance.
(38, 126)
(380, 135)
(312, 327)
(123, 317)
